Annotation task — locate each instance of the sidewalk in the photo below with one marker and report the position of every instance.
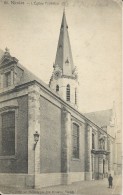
(96, 187)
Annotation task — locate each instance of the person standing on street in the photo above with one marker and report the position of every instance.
(110, 179)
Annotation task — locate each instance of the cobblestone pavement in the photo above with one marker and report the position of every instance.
(96, 187)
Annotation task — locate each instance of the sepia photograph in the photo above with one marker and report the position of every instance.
(61, 97)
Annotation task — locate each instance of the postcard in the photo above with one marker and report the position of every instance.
(61, 97)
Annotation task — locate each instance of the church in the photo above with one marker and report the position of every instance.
(44, 139)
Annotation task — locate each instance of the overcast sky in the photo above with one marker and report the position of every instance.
(31, 33)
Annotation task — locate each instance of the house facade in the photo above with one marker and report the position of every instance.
(44, 139)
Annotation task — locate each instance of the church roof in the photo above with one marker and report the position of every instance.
(101, 118)
(64, 57)
(27, 76)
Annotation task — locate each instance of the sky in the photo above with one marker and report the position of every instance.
(31, 30)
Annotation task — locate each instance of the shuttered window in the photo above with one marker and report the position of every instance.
(57, 88)
(68, 93)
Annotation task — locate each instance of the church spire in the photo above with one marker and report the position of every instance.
(64, 79)
(64, 57)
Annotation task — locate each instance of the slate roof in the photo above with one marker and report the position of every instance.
(101, 118)
(64, 53)
(28, 76)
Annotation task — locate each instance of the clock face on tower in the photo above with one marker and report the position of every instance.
(57, 74)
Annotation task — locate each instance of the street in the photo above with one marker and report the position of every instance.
(95, 187)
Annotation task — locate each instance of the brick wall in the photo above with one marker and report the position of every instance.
(50, 137)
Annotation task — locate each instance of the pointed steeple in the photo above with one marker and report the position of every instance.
(64, 79)
(64, 57)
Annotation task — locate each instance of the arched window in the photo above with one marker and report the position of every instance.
(8, 133)
(57, 88)
(75, 141)
(68, 92)
(93, 141)
(76, 96)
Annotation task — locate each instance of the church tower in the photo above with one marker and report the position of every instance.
(64, 79)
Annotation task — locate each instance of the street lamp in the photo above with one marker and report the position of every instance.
(36, 138)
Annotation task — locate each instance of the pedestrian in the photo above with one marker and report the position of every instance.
(110, 179)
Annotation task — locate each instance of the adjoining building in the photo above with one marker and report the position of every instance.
(44, 139)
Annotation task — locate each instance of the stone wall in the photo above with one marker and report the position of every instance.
(16, 180)
(22, 135)
(88, 147)
(63, 82)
